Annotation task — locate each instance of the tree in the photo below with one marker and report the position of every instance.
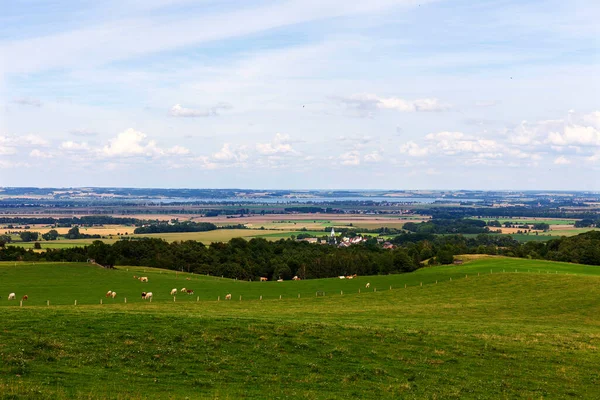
(73, 233)
(27, 236)
(37, 246)
(445, 257)
(50, 235)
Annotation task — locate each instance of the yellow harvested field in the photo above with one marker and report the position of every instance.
(106, 230)
(221, 235)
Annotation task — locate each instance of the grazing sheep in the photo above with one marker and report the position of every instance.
(228, 297)
(144, 295)
(173, 292)
(148, 296)
(109, 293)
(264, 279)
(135, 277)
(295, 278)
(143, 279)
(25, 297)
(183, 290)
(12, 296)
(113, 294)
(188, 279)
(190, 291)
(279, 280)
(368, 285)
(342, 277)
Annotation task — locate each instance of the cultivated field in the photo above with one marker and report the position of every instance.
(490, 332)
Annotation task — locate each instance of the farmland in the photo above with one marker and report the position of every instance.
(488, 332)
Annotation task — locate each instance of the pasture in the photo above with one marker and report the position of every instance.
(482, 331)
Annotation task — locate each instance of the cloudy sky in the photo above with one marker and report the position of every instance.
(391, 94)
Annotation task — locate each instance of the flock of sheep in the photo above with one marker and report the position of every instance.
(148, 295)
(13, 296)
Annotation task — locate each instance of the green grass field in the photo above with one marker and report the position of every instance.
(478, 330)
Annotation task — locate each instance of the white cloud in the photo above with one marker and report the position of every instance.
(562, 160)
(178, 150)
(373, 157)
(350, 158)
(229, 153)
(413, 149)
(130, 143)
(178, 111)
(74, 146)
(279, 145)
(32, 140)
(364, 105)
(35, 153)
(6, 147)
(575, 135)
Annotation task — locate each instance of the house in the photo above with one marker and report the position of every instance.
(388, 246)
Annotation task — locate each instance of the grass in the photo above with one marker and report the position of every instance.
(533, 333)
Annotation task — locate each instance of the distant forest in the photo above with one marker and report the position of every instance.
(286, 258)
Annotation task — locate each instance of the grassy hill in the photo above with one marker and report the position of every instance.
(533, 333)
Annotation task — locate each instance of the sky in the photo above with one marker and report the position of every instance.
(301, 94)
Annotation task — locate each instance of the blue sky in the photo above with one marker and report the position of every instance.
(394, 94)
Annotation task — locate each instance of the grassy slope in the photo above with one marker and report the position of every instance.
(500, 335)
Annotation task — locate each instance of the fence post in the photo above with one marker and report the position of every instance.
(48, 302)
(450, 279)
(405, 286)
(421, 283)
(279, 297)
(174, 297)
(197, 299)
(219, 298)
(21, 303)
(358, 290)
(390, 287)
(374, 289)
(260, 297)
(100, 301)
(341, 292)
(75, 302)
(125, 300)
(240, 297)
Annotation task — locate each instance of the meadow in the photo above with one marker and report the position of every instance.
(491, 328)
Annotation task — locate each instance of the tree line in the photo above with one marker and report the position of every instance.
(284, 259)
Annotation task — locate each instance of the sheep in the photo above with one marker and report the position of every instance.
(109, 293)
(368, 285)
(25, 297)
(279, 280)
(190, 291)
(173, 292)
(148, 296)
(113, 294)
(295, 278)
(143, 279)
(263, 279)
(12, 296)
(342, 277)
(228, 297)
(183, 290)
